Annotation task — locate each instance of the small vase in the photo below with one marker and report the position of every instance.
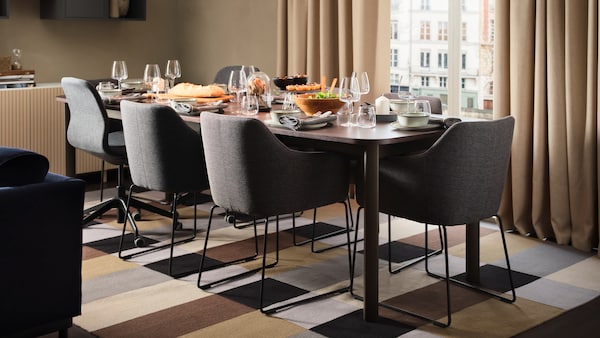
(123, 7)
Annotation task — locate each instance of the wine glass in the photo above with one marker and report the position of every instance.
(152, 78)
(119, 71)
(172, 72)
(363, 83)
(237, 84)
(349, 93)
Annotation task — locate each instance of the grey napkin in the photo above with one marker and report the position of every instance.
(445, 122)
(296, 123)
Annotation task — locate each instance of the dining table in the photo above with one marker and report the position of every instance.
(368, 146)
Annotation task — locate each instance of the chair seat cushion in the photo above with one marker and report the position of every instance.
(20, 167)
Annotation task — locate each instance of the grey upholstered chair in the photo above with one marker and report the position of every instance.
(166, 155)
(91, 130)
(222, 75)
(474, 157)
(252, 172)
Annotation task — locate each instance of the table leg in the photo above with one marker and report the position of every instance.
(371, 233)
(472, 252)
(69, 149)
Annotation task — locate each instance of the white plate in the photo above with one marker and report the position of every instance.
(430, 126)
(272, 123)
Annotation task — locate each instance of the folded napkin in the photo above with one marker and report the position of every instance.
(296, 123)
(445, 122)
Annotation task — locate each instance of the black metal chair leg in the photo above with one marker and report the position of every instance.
(138, 241)
(243, 259)
(415, 260)
(494, 294)
(286, 305)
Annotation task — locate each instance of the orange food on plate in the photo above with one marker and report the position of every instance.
(303, 87)
(186, 89)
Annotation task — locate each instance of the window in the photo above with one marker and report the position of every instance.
(424, 81)
(445, 48)
(470, 102)
(425, 30)
(394, 58)
(443, 60)
(425, 59)
(443, 31)
(394, 32)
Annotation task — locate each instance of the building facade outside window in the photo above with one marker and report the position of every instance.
(413, 45)
(425, 30)
(425, 59)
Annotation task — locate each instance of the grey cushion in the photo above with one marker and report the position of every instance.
(20, 167)
(252, 172)
(164, 153)
(89, 127)
(222, 75)
(458, 180)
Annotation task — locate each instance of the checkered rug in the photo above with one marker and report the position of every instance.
(136, 298)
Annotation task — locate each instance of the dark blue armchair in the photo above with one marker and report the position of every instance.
(40, 257)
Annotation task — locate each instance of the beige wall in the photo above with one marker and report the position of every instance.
(203, 34)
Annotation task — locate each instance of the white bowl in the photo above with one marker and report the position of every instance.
(413, 119)
(275, 114)
(106, 93)
(400, 106)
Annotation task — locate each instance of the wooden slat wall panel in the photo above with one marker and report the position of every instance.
(46, 125)
(14, 119)
(31, 118)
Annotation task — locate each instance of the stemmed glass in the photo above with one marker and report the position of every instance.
(237, 84)
(363, 83)
(152, 77)
(172, 72)
(349, 93)
(119, 71)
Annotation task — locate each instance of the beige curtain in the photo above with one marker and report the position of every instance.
(334, 38)
(546, 76)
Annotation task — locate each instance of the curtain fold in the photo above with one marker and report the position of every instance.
(334, 38)
(546, 76)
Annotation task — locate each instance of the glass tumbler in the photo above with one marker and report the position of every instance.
(366, 116)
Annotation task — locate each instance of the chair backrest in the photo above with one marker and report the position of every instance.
(460, 178)
(222, 75)
(88, 127)
(163, 152)
(252, 172)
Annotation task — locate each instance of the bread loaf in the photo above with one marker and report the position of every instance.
(187, 89)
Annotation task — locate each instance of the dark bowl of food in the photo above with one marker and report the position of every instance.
(300, 79)
(282, 82)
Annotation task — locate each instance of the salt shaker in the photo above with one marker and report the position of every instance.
(382, 105)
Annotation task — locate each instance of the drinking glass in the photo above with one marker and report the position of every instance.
(237, 84)
(288, 101)
(366, 116)
(119, 71)
(422, 106)
(152, 78)
(349, 93)
(172, 72)
(363, 83)
(249, 105)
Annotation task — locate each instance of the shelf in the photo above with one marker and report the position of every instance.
(88, 9)
(3, 9)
